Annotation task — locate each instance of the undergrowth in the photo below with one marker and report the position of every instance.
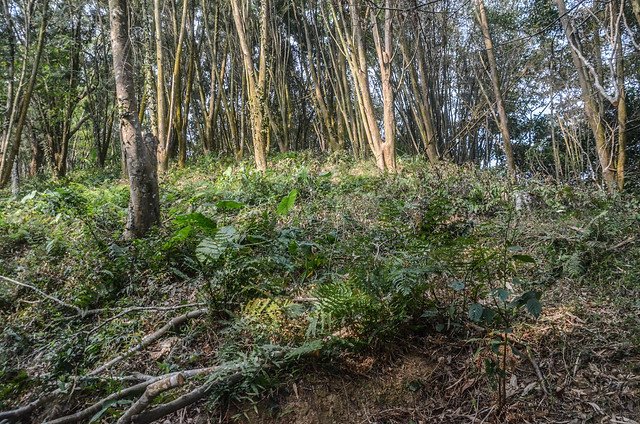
(318, 256)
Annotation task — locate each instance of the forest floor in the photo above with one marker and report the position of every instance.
(590, 368)
(321, 292)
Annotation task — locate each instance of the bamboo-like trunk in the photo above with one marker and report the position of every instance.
(503, 121)
(256, 83)
(603, 149)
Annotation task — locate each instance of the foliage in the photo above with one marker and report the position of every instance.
(309, 258)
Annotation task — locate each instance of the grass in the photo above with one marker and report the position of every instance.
(357, 263)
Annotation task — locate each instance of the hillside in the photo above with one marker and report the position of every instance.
(321, 291)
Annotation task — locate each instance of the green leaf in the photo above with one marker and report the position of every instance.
(430, 313)
(29, 196)
(107, 406)
(503, 294)
(475, 312)
(211, 249)
(523, 299)
(179, 237)
(196, 219)
(229, 205)
(457, 285)
(287, 203)
(488, 315)
(524, 258)
(304, 349)
(534, 307)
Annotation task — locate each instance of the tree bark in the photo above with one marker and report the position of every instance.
(139, 153)
(161, 108)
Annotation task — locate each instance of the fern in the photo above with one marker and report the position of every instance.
(211, 249)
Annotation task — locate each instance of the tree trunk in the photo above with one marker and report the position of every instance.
(161, 108)
(603, 150)
(11, 149)
(256, 83)
(503, 121)
(139, 153)
(622, 101)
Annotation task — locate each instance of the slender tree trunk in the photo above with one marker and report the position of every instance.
(603, 150)
(161, 108)
(139, 152)
(635, 6)
(495, 82)
(37, 154)
(11, 149)
(622, 99)
(385, 56)
(15, 178)
(256, 83)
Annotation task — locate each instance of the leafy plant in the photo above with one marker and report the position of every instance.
(287, 203)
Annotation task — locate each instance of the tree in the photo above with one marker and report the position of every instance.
(139, 152)
(589, 79)
(349, 27)
(10, 142)
(503, 120)
(256, 81)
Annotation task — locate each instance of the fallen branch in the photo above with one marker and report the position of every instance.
(136, 309)
(41, 293)
(232, 376)
(187, 399)
(534, 364)
(96, 407)
(152, 391)
(149, 339)
(184, 400)
(14, 415)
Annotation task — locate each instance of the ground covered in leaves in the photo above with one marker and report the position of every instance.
(321, 292)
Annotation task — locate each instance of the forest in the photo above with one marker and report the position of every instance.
(320, 211)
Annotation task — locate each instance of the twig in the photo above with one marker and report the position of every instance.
(302, 299)
(534, 364)
(622, 243)
(41, 293)
(137, 309)
(147, 340)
